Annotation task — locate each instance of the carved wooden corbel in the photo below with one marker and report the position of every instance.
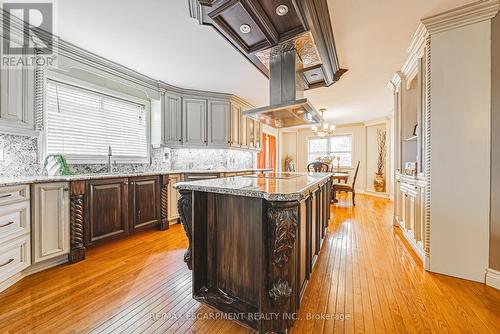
(185, 205)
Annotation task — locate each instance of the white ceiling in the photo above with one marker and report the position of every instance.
(158, 38)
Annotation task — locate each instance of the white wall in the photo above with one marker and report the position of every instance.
(460, 151)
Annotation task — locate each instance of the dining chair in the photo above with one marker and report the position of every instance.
(318, 167)
(347, 187)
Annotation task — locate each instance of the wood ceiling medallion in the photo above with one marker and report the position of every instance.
(256, 27)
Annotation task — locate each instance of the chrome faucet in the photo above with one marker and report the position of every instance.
(110, 154)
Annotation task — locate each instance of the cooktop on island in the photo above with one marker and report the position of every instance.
(275, 175)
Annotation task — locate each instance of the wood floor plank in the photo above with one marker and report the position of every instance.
(366, 272)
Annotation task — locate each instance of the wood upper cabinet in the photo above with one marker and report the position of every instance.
(250, 129)
(107, 202)
(194, 112)
(258, 135)
(17, 100)
(144, 201)
(235, 125)
(218, 123)
(172, 120)
(51, 230)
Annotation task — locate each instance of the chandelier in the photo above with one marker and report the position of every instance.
(323, 129)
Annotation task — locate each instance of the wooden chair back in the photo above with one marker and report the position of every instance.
(318, 167)
(355, 176)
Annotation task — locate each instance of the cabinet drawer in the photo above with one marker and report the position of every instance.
(14, 257)
(14, 194)
(14, 220)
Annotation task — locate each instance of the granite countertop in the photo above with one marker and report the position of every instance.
(12, 181)
(290, 187)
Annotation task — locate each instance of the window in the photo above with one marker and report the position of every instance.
(335, 146)
(82, 124)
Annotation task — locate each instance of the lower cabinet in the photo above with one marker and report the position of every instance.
(173, 197)
(107, 210)
(144, 202)
(50, 230)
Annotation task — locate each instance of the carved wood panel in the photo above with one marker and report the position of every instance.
(185, 205)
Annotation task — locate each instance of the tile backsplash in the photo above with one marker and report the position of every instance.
(211, 159)
(20, 158)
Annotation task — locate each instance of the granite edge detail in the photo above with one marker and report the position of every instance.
(299, 195)
(5, 182)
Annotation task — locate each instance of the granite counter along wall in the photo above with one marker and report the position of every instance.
(20, 158)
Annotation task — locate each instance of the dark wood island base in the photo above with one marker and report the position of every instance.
(251, 257)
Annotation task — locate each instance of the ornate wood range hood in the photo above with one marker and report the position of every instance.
(289, 41)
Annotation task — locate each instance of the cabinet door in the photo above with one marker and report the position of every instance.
(195, 122)
(107, 202)
(173, 197)
(145, 201)
(17, 99)
(218, 123)
(235, 125)
(258, 134)
(172, 120)
(250, 132)
(50, 220)
(243, 131)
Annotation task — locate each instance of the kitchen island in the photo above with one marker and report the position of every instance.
(253, 242)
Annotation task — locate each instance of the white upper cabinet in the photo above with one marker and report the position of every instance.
(172, 120)
(218, 123)
(195, 122)
(17, 100)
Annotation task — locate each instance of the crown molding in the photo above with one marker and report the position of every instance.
(462, 16)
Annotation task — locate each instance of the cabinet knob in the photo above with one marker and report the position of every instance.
(66, 189)
(180, 140)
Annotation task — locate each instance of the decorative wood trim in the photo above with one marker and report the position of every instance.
(462, 16)
(427, 152)
(283, 224)
(280, 292)
(493, 278)
(164, 207)
(185, 207)
(77, 252)
(39, 96)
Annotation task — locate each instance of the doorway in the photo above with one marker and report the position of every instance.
(266, 158)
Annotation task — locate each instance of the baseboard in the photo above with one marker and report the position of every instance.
(34, 268)
(493, 278)
(41, 266)
(10, 281)
(376, 194)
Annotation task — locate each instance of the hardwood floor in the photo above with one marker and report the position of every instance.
(365, 281)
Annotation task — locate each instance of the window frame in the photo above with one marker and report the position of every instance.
(94, 159)
(328, 146)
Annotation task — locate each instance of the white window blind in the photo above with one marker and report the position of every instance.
(82, 124)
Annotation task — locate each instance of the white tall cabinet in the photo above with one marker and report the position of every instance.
(51, 230)
(444, 88)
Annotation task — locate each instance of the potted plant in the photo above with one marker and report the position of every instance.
(379, 181)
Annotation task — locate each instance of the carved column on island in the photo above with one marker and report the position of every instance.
(77, 216)
(164, 203)
(185, 207)
(280, 278)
